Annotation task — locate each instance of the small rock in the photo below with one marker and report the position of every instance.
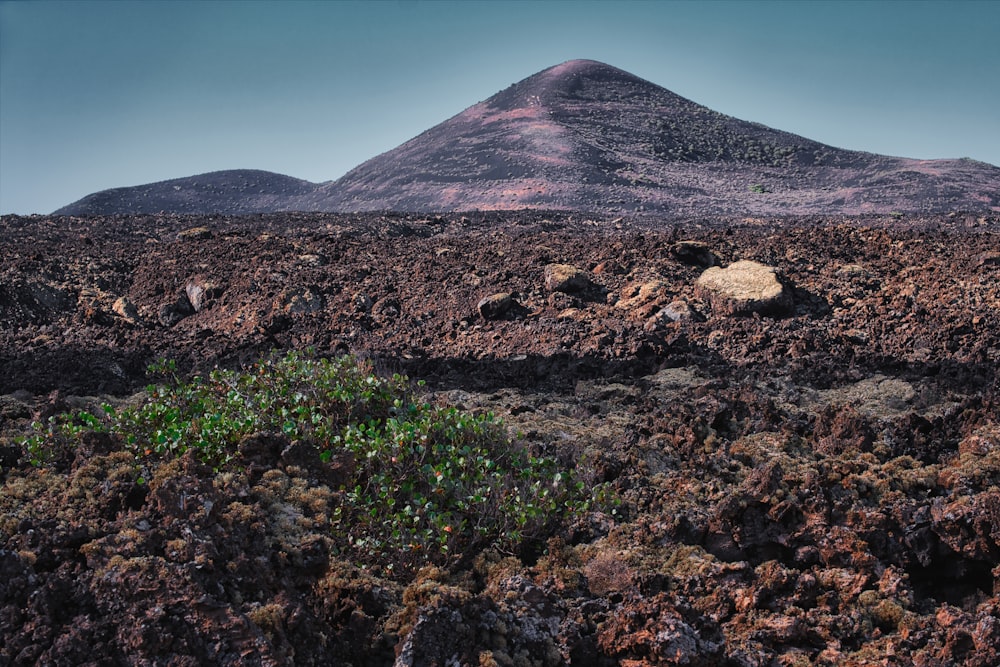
(362, 303)
(196, 295)
(194, 233)
(680, 311)
(643, 297)
(495, 305)
(988, 259)
(387, 308)
(170, 314)
(93, 305)
(609, 266)
(125, 309)
(561, 300)
(851, 271)
(981, 442)
(301, 300)
(743, 288)
(200, 292)
(13, 408)
(675, 311)
(312, 260)
(167, 316)
(565, 278)
(695, 253)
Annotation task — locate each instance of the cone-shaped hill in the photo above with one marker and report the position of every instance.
(587, 136)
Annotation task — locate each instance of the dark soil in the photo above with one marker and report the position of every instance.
(818, 487)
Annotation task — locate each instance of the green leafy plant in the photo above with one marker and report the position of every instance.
(449, 482)
(59, 434)
(301, 397)
(427, 482)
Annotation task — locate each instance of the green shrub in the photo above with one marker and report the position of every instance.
(296, 395)
(426, 481)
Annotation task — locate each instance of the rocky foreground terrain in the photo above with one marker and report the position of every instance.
(795, 424)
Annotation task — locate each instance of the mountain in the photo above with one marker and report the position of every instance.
(587, 136)
(233, 192)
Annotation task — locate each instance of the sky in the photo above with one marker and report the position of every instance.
(96, 95)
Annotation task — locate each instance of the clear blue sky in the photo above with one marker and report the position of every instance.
(95, 95)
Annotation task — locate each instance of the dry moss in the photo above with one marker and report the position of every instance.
(608, 573)
(270, 618)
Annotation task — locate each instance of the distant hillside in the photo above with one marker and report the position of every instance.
(231, 192)
(587, 136)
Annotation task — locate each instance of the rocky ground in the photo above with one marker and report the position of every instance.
(800, 420)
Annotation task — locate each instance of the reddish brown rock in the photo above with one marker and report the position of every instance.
(495, 305)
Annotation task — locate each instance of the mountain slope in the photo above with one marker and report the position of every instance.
(584, 135)
(232, 192)
(587, 136)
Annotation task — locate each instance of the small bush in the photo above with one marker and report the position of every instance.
(427, 482)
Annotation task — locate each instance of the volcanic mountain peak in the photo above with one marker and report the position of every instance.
(563, 81)
(583, 135)
(587, 136)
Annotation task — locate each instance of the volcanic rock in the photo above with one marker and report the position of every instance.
(495, 305)
(675, 311)
(194, 234)
(694, 253)
(989, 259)
(743, 288)
(387, 308)
(641, 299)
(565, 278)
(200, 291)
(819, 489)
(169, 314)
(125, 309)
(301, 300)
(362, 302)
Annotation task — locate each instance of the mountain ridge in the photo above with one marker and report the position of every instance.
(234, 190)
(583, 135)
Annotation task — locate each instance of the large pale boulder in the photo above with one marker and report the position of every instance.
(744, 288)
(565, 278)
